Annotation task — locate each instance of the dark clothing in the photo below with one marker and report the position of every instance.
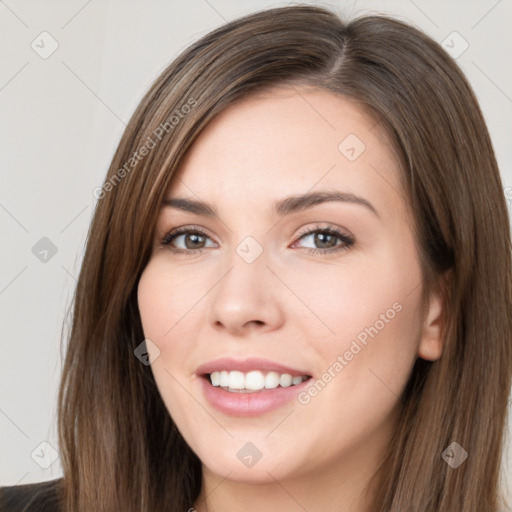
(37, 497)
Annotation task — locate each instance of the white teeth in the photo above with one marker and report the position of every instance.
(236, 380)
(271, 380)
(286, 380)
(224, 379)
(215, 378)
(253, 380)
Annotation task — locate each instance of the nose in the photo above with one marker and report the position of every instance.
(247, 298)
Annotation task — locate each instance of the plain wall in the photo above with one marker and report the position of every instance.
(61, 119)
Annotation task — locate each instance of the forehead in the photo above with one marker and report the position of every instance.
(289, 140)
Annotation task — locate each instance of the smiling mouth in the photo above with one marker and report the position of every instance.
(253, 381)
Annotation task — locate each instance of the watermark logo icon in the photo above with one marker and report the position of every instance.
(44, 455)
(454, 455)
(351, 147)
(249, 454)
(508, 196)
(455, 44)
(44, 45)
(44, 250)
(147, 352)
(249, 249)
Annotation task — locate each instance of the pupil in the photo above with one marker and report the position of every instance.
(194, 237)
(320, 238)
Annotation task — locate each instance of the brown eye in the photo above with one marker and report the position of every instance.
(193, 240)
(327, 240)
(186, 240)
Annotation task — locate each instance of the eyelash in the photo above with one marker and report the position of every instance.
(348, 241)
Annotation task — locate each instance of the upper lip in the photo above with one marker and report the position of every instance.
(246, 365)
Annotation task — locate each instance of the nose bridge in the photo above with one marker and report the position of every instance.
(246, 293)
(246, 264)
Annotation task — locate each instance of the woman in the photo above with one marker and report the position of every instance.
(216, 361)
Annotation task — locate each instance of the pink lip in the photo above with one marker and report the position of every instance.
(246, 365)
(248, 404)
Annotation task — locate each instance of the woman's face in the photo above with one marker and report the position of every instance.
(276, 288)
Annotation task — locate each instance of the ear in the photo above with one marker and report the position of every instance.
(432, 342)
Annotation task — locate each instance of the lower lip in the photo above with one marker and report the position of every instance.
(249, 404)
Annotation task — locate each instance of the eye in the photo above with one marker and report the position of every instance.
(192, 239)
(327, 239)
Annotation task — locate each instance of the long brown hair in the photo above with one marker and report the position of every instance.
(120, 449)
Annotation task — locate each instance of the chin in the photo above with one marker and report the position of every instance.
(259, 473)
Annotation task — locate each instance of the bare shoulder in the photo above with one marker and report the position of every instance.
(35, 497)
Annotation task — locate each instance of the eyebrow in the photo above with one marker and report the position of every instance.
(282, 207)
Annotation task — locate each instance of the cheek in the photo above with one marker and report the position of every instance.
(369, 308)
(167, 299)
(151, 299)
(160, 312)
(368, 362)
(362, 294)
(160, 316)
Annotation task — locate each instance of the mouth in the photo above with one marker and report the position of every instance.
(250, 387)
(253, 381)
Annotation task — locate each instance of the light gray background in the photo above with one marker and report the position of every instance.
(61, 119)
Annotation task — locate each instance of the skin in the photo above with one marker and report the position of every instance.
(300, 309)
